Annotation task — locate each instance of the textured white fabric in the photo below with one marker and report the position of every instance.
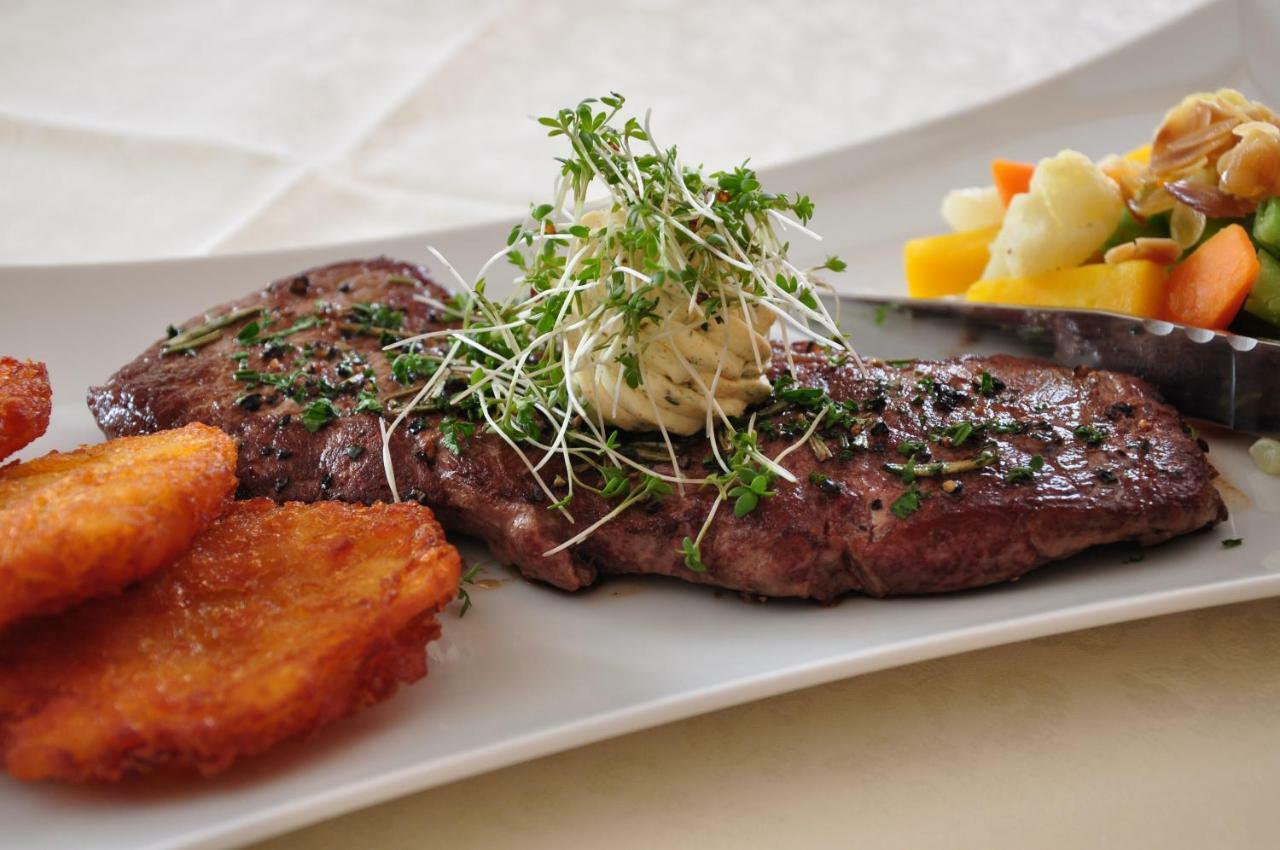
(144, 128)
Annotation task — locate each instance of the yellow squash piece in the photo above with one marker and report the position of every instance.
(1141, 155)
(1135, 287)
(946, 265)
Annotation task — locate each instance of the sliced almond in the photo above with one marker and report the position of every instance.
(1157, 250)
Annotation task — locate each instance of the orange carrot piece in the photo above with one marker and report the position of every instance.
(1207, 288)
(1011, 178)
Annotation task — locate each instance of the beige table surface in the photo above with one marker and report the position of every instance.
(134, 129)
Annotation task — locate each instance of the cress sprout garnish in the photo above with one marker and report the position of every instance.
(675, 266)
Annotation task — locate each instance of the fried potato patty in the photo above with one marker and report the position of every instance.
(25, 402)
(279, 620)
(80, 524)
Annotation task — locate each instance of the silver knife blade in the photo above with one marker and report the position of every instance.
(1221, 377)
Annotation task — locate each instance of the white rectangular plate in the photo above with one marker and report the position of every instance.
(530, 670)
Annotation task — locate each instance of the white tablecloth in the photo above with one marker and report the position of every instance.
(136, 129)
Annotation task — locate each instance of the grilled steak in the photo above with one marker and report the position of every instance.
(1050, 461)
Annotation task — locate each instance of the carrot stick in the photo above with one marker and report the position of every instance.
(1208, 287)
(1011, 178)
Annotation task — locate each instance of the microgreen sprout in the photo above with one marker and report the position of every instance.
(672, 262)
(464, 595)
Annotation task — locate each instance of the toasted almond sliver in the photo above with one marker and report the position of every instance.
(1157, 250)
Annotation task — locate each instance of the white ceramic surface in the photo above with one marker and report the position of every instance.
(530, 670)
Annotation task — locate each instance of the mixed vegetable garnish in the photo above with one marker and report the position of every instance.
(1185, 229)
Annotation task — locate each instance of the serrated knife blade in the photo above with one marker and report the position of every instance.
(1222, 377)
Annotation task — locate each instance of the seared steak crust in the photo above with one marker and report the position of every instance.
(1117, 462)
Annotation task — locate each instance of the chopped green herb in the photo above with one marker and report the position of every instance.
(250, 401)
(786, 389)
(453, 432)
(906, 504)
(249, 332)
(318, 414)
(279, 380)
(367, 401)
(958, 433)
(1091, 434)
(823, 483)
(911, 447)
(835, 414)
(1009, 426)
(989, 385)
(1232, 542)
(1022, 474)
(377, 315)
(410, 367)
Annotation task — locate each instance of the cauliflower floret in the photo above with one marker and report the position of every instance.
(1064, 219)
(973, 209)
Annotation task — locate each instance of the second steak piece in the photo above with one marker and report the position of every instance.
(943, 475)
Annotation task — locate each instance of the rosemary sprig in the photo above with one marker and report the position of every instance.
(206, 333)
(464, 596)
(949, 467)
(366, 329)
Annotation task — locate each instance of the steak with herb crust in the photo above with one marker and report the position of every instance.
(924, 476)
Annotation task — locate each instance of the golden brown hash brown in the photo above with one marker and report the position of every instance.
(80, 524)
(25, 401)
(279, 620)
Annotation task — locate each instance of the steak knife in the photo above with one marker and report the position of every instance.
(1222, 377)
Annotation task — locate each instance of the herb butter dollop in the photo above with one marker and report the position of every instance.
(695, 367)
